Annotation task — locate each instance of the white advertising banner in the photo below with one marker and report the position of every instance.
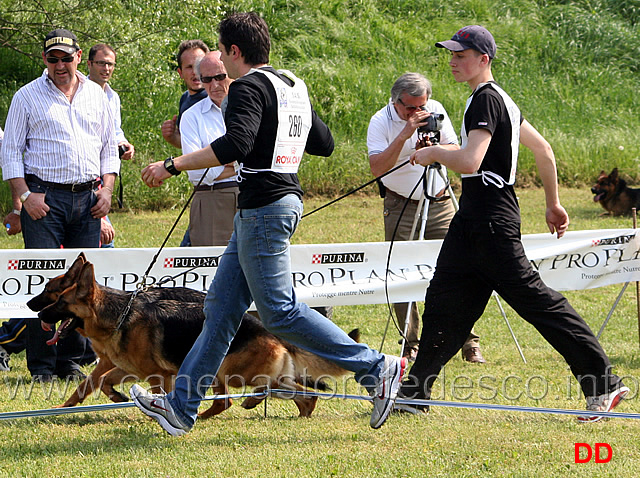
(327, 274)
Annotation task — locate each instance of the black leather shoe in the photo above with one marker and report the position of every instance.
(42, 378)
(74, 374)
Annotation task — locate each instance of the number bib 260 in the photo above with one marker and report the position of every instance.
(294, 122)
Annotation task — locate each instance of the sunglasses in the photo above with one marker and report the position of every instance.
(65, 59)
(409, 107)
(207, 79)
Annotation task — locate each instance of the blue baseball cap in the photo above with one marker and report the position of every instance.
(472, 37)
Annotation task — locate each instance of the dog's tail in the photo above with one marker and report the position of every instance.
(312, 371)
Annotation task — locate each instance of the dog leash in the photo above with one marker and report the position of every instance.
(356, 189)
(392, 317)
(125, 312)
(142, 284)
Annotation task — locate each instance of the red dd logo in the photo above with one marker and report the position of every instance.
(589, 452)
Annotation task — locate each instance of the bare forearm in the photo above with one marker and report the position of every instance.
(545, 161)
(18, 187)
(382, 162)
(108, 181)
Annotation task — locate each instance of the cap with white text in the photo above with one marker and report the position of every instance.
(62, 40)
(472, 37)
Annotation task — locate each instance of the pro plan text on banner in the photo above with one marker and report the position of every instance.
(327, 274)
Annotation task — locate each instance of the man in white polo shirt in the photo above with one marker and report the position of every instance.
(391, 138)
(216, 199)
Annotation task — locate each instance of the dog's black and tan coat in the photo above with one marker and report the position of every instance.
(158, 332)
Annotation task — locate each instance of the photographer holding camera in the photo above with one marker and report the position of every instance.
(410, 121)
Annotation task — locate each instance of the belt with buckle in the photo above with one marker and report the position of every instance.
(400, 197)
(224, 185)
(73, 187)
(439, 197)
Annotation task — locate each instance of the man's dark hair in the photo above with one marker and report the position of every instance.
(190, 45)
(250, 33)
(100, 47)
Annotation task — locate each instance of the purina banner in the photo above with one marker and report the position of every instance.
(327, 274)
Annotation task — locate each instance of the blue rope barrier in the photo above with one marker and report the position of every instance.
(48, 412)
(324, 395)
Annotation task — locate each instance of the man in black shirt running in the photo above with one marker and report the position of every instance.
(270, 123)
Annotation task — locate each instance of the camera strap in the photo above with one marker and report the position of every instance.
(120, 191)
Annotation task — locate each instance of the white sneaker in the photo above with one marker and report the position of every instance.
(384, 396)
(4, 359)
(603, 403)
(412, 409)
(158, 407)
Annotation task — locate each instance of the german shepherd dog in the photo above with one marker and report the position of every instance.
(157, 334)
(614, 195)
(52, 291)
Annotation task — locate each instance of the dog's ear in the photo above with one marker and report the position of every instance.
(74, 271)
(603, 175)
(614, 174)
(86, 281)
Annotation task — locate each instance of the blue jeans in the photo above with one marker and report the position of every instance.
(68, 222)
(256, 266)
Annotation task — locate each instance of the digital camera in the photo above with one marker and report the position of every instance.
(434, 122)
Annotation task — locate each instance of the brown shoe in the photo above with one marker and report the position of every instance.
(410, 353)
(473, 355)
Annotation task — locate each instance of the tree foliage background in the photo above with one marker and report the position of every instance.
(572, 67)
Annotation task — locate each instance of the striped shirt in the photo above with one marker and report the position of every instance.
(56, 140)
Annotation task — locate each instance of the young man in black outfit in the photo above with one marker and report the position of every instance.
(270, 122)
(482, 251)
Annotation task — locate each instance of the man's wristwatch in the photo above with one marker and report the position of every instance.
(24, 197)
(169, 166)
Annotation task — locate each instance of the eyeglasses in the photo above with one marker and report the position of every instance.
(65, 59)
(409, 107)
(207, 79)
(108, 64)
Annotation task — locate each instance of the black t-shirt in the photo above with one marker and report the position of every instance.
(251, 119)
(489, 194)
(187, 100)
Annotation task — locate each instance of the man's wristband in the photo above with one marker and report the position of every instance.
(16, 212)
(169, 166)
(24, 197)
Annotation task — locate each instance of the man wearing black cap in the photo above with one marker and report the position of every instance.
(482, 251)
(59, 146)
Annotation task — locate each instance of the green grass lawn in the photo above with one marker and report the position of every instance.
(337, 440)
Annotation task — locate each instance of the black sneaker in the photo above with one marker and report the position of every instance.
(74, 374)
(42, 378)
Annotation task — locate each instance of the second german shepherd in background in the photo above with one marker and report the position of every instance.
(156, 336)
(613, 194)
